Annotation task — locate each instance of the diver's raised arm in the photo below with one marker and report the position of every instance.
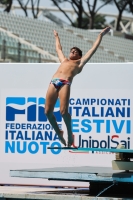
(58, 47)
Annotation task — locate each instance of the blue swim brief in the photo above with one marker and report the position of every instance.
(58, 83)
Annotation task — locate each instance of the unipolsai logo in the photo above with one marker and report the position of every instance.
(32, 108)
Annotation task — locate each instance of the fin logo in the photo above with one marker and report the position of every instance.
(32, 108)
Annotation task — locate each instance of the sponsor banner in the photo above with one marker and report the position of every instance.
(100, 119)
(101, 106)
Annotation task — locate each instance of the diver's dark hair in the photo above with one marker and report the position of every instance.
(79, 51)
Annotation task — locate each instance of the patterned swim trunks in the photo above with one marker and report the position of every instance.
(58, 83)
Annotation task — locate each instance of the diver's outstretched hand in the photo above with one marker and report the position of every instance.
(105, 31)
(55, 33)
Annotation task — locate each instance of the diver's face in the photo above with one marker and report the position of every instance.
(74, 55)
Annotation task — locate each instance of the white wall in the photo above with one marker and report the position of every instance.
(97, 81)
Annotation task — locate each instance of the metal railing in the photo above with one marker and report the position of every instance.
(17, 54)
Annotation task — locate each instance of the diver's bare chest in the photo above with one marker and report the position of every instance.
(69, 65)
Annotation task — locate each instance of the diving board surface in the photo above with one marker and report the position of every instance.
(83, 173)
(94, 149)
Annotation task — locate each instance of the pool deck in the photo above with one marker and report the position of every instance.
(27, 192)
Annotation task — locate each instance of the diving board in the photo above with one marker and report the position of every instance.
(80, 174)
(94, 149)
(96, 176)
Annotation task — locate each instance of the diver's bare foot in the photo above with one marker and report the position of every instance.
(61, 138)
(70, 140)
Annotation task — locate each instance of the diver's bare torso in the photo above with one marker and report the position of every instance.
(68, 69)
